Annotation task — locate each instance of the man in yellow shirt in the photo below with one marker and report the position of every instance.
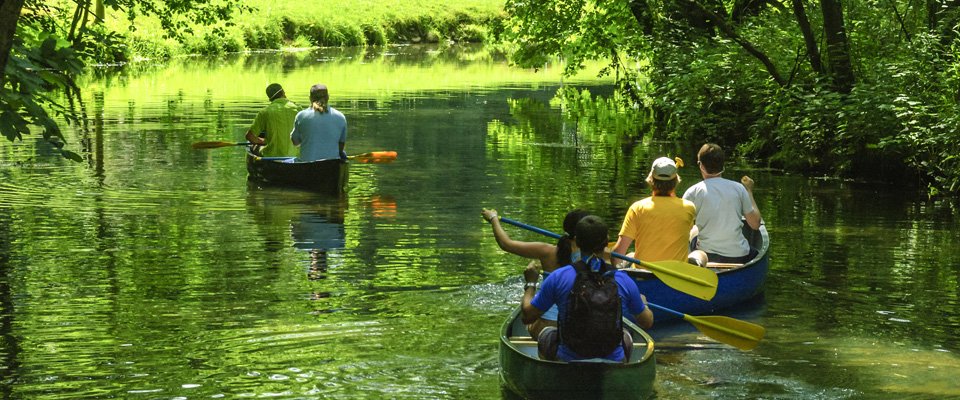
(659, 225)
(275, 121)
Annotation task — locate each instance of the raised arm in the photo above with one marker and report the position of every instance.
(753, 218)
(536, 250)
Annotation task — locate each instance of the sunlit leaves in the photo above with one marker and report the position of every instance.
(577, 30)
(47, 53)
(39, 62)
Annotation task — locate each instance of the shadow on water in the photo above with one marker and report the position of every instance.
(9, 343)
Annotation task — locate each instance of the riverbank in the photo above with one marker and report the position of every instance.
(275, 25)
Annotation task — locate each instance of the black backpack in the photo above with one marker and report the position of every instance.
(592, 327)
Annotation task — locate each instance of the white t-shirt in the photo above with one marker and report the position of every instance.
(721, 205)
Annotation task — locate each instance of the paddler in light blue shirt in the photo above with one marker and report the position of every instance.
(320, 130)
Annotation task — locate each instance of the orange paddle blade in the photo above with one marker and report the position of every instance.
(375, 157)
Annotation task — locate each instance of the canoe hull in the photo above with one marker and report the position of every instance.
(526, 375)
(735, 285)
(329, 176)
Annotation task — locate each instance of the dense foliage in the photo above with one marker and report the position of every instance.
(53, 41)
(870, 90)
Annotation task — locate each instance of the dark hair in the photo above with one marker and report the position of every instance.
(591, 234)
(663, 188)
(274, 91)
(711, 157)
(564, 252)
(319, 98)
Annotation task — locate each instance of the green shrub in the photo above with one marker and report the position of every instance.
(375, 34)
(472, 33)
(270, 36)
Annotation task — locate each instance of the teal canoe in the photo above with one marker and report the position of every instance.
(526, 375)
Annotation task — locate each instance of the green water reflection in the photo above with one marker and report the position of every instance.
(153, 270)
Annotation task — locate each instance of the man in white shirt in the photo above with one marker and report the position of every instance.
(722, 206)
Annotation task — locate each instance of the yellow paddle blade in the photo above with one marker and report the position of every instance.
(214, 145)
(688, 278)
(375, 157)
(740, 334)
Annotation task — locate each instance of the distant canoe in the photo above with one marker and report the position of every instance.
(329, 176)
(525, 374)
(737, 283)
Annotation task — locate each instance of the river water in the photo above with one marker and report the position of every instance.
(155, 271)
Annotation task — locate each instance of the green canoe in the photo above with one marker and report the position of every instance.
(327, 176)
(526, 375)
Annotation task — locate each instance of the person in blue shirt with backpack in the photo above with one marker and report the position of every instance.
(592, 296)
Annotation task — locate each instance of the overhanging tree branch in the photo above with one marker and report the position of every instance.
(727, 31)
(813, 52)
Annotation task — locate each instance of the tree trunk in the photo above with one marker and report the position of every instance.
(813, 52)
(838, 49)
(643, 15)
(99, 12)
(9, 14)
(933, 14)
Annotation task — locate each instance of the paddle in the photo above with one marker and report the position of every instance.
(687, 278)
(740, 334)
(216, 145)
(373, 157)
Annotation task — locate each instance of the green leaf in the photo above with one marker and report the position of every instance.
(71, 155)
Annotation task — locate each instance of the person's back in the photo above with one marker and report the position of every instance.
(320, 130)
(722, 205)
(558, 288)
(659, 225)
(275, 121)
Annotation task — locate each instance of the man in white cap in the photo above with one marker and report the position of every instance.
(659, 225)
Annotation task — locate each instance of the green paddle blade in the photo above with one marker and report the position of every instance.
(740, 334)
(216, 145)
(687, 278)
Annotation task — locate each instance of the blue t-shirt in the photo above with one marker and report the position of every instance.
(319, 134)
(556, 290)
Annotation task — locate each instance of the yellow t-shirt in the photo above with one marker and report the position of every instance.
(660, 228)
(276, 120)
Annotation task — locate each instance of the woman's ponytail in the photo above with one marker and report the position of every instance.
(319, 97)
(565, 244)
(565, 250)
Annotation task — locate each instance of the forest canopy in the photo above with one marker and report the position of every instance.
(859, 89)
(862, 89)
